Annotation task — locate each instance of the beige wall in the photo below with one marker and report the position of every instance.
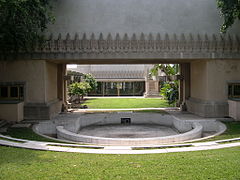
(220, 72)
(40, 78)
(30, 72)
(51, 81)
(11, 112)
(199, 80)
(209, 79)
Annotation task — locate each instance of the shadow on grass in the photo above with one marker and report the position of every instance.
(26, 133)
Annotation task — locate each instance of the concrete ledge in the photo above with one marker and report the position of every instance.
(234, 109)
(42, 111)
(72, 123)
(196, 132)
(207, 108)
(12, 111)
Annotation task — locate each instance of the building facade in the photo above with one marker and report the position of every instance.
(120, 80)
(128, 32)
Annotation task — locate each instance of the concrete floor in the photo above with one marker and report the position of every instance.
(128, 131)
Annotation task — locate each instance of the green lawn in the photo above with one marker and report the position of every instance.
(28, 164)
(26, 133)
(115, 103)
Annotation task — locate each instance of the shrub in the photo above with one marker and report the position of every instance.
(170, 91)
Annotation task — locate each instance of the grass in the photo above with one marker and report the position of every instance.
(28, 164)
(26, 133)
(115, 103)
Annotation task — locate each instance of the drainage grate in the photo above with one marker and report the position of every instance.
(125, 120)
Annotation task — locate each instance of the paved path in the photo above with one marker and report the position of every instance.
(48, 146)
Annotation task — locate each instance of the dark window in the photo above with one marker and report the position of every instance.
(14, 92)
(234, 90)
(21, 92)
(4, 92)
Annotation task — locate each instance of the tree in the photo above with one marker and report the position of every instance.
(79, 89)
(168, 69)
(169, 89)
(91, 80)
(23, 23)
(230, 11)
(81, 86)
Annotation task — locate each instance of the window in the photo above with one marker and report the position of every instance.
(12, 92)
(234, 90)
(4, 92)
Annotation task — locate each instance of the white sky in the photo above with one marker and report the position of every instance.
(72, 66)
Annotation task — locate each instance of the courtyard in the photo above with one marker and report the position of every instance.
(154, 94)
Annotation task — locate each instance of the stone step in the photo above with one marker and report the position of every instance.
(3, 123)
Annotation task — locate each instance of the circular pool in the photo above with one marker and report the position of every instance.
(126, 128)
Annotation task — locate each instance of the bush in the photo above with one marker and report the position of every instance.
(170, 91)
(79, 89)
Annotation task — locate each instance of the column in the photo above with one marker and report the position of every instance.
(184, 85)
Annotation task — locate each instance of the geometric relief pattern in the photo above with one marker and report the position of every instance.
(142, 43)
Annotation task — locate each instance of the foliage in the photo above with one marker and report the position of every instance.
(170, 88)
(76, 76)
(230, 11)
(83, 77)
(79, 88)
(90, 80)
(170, 91)
(23, 23)
(168, 69)
(82, 84)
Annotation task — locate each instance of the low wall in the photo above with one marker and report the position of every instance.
(66, 127)
(11, 111)
(196, 132)
(115, 118)
(69, 131)
(42, 111)
(234, 109)
(209, 109)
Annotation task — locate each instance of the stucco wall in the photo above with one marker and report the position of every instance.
(209, 79)
(51, 81)
(29, 72)
(220, 72)
(12, 112)
(199, 80)
(136, 16)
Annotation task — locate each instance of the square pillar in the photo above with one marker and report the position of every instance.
(184, 85)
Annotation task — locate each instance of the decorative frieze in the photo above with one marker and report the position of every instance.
(135, 48)
(142, 43)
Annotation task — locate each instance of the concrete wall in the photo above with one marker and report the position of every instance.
(12, 111)
(29, 72)
(199, 80)
(234, 107)
(51, 81)
(209, 79)
(136, 16)
(220, 72)
(40, 79)
(209, 86)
